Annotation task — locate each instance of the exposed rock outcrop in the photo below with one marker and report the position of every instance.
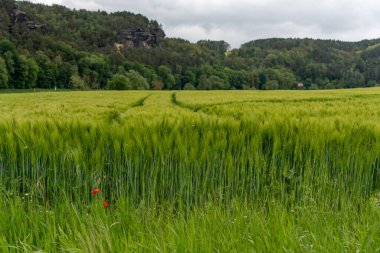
(17, 16)
(137, 37)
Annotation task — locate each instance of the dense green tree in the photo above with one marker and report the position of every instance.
(4, 78)
(94, 68)
(212, 83)
(219, 47)
(33, 71)
(64, 74)
(146, 71)
(188, 86)
(26, 72)
(48, 71)
(119, 82)
(136, 81)
(236, 78)
(7, 46)
(271, 85)
(166, 76)
(9, 60)
(76, 82)
(189, 77)
(131, 80)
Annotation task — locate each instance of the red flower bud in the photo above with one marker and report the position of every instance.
(95, 191)
(106, 204)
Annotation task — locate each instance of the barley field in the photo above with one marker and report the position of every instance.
(176, 171)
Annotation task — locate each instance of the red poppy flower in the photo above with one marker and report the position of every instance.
(95, 191)
(106, 204)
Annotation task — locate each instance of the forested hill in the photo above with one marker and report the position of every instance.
(53, 46)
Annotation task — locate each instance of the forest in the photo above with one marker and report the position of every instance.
(80, 49)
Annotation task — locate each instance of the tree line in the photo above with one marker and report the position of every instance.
(78, 52)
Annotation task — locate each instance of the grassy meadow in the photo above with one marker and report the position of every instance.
(218, 171)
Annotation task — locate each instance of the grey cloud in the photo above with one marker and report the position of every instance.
(239, 21)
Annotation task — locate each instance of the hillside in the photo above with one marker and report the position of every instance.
(53, 46)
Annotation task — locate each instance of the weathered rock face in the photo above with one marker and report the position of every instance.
(137, 37)
(31, 25)
(19, 17)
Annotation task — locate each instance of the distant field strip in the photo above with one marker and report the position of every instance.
(218, 97)
(324, 106)
(66, 105)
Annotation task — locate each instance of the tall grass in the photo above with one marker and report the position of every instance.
(227, 177)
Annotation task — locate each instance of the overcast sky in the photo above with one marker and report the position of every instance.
(240, 21)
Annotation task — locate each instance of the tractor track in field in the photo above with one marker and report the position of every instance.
(117, 114)
(183, 105)
(204, 108)
(198, 109)
(139, 102)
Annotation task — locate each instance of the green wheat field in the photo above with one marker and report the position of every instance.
(221, 171)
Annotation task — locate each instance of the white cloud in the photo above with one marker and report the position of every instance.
(239, 21)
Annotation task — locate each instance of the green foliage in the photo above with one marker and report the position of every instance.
(272, 85)
(94, 69)
(212, 83)
(48, 71)
(276, 171)
(119, 82)
(131, 80)
(76, 82)
(188, 86)
(136, 81)
(3, 74)
(6, 45)
(79, 42)
(219, 47)
(167, 77)
(25, 73)
(33, 70)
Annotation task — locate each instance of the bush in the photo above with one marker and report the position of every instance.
(132, 80)
(272, 85)
(119, 82)
(188, 86)
(136, 81)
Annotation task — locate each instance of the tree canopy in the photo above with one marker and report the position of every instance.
(81, 50)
